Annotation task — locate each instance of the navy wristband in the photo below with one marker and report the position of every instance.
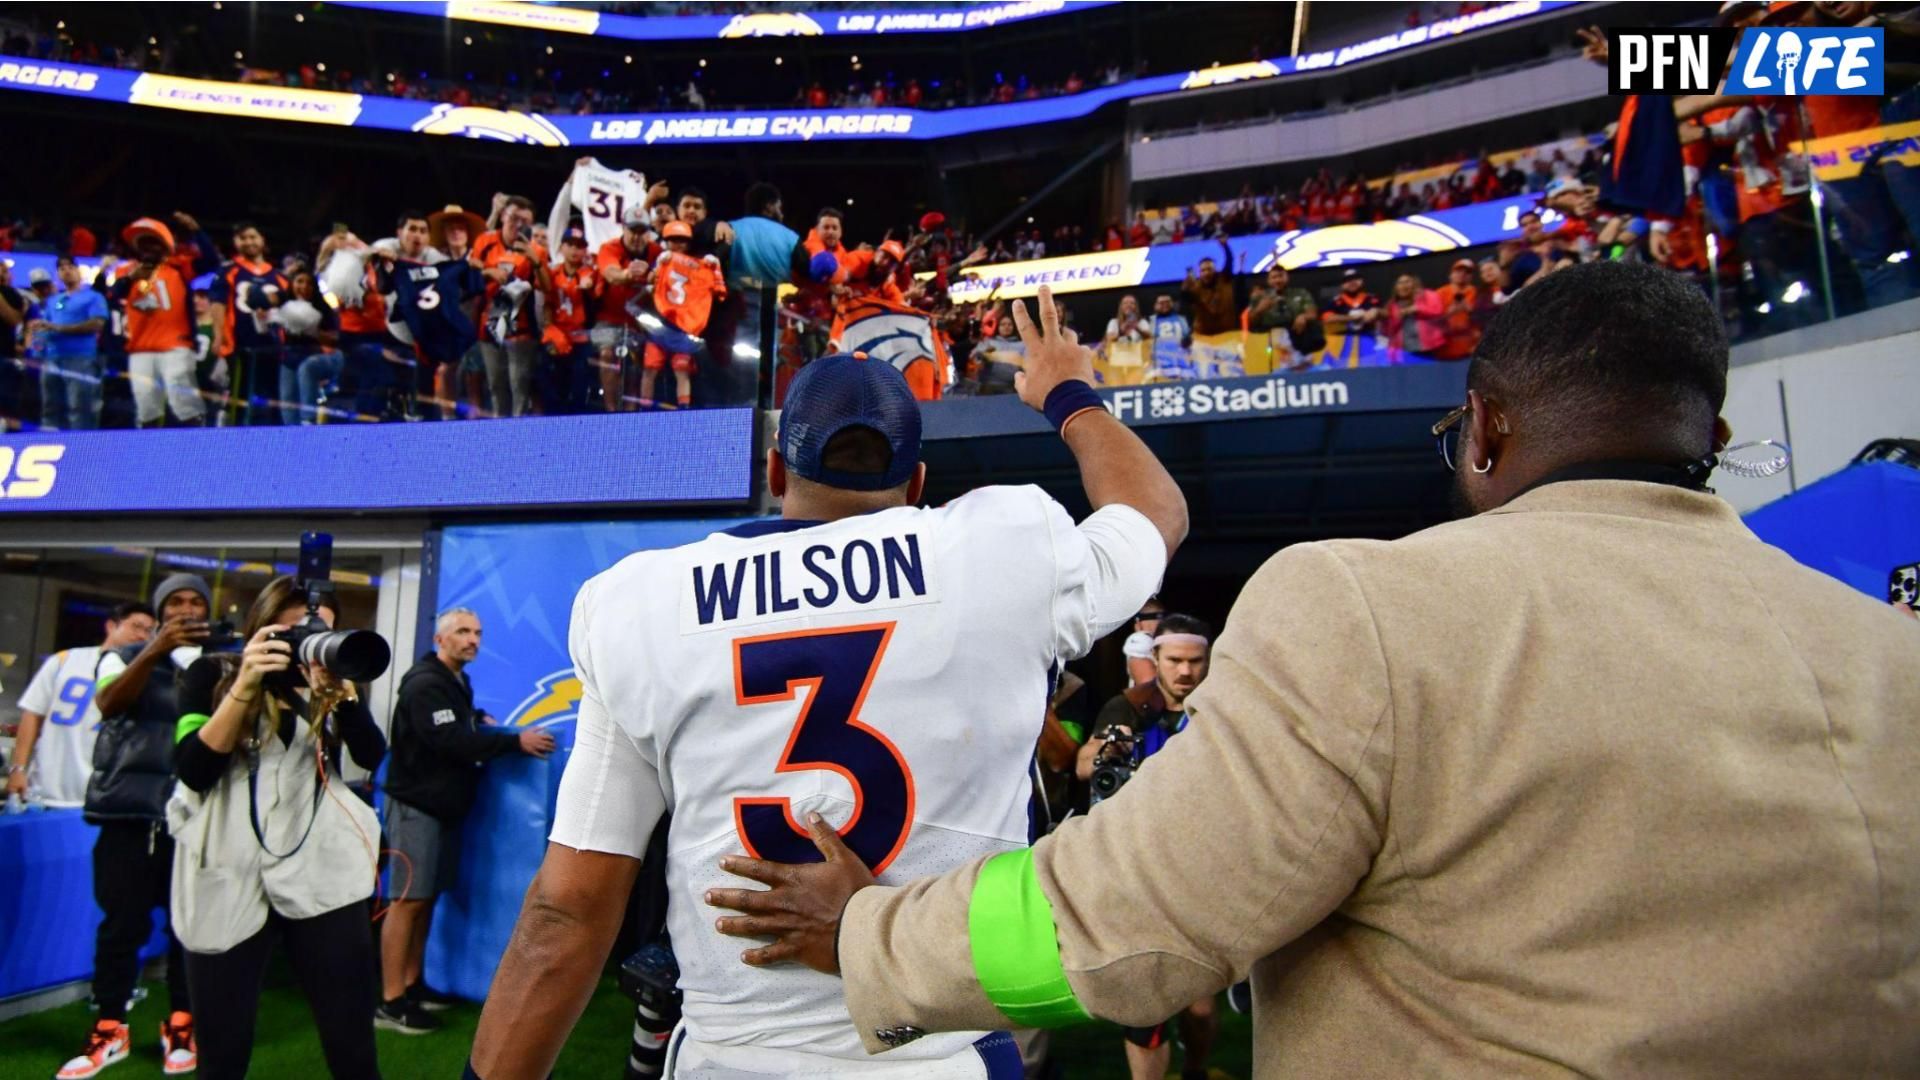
(1068, 400)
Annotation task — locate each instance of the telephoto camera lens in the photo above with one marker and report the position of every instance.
(353, 655)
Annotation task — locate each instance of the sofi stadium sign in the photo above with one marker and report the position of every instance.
(1335, 245)
(268, 102)
(790, 21)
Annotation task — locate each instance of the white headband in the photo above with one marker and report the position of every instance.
(1180, 639)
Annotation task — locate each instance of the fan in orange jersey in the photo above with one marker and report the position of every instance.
(684, 289)
(573, 291)
(154, 293)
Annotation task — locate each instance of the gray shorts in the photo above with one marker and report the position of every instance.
(606, 337)
(472, 362)
(424, 845)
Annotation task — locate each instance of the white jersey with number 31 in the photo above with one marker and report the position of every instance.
(602, 196)
(890, 671)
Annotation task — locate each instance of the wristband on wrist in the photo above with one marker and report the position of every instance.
(1068, 400)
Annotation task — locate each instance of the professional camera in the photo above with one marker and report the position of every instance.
(1114, 765)
(651, 977)
(351, 655)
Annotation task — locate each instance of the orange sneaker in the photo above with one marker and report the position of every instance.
(181, 1055)
(106, 1045)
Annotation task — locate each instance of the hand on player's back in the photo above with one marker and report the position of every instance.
(1054, 354)
(801, 911)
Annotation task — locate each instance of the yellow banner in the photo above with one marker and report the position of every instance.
(262, 102)
(529, 16)
(1064, 274)
(1841, 157)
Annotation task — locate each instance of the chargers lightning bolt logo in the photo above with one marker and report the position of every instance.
(555, 701)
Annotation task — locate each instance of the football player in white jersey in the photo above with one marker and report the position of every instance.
(53, 754)
(882, 666)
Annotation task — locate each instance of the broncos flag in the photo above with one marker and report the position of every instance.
(1646, 173)
(900, 335)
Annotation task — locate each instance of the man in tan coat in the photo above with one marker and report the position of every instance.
(1590, 782)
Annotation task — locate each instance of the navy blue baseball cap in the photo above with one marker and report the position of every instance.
(846, 390)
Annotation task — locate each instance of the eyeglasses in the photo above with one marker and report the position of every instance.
(1449, 428)
(1149, 616)
(1448, 432)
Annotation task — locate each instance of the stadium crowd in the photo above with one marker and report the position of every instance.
(552, 320)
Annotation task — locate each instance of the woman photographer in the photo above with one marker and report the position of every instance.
(272, 844)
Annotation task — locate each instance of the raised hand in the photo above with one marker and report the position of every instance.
(1054, 354)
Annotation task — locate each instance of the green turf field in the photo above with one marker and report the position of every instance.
(32, 1047)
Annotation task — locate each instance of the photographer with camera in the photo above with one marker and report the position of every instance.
(271, 843)
(127, 798)
(1132, 727)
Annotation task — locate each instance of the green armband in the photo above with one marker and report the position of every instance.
(1074, 729)
(1016, 955)
(189, 724)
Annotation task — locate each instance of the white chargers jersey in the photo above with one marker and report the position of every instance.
(602, 196)
(890, 671)
(62, 692)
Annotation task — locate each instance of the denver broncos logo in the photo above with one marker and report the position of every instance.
(476, 122)
(556, 700)
(771, 24)
(1230, 73)
(1374, 241)
(897, 335)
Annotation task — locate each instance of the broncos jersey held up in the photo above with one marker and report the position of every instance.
(890, 671)
(602, 196)
(427, 304)
(684, 289)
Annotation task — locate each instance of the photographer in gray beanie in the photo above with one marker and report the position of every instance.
(127, 799)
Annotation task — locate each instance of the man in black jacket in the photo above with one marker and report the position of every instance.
(438, 746)
(127, 798)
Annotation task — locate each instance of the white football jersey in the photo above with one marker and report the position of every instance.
(62, 692)
(890, 671)
(602, 196)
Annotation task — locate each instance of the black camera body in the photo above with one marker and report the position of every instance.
(1114, 765)
(351, 655)
(223, 636)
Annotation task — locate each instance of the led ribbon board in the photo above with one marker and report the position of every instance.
(789, 21)
(266, 102)
(1301, 249)
(695, 456)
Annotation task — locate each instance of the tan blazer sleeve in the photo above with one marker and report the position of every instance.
(1250, 827)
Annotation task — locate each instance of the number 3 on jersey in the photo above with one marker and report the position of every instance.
(838, 666)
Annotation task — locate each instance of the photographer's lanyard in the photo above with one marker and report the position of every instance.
(253, 793)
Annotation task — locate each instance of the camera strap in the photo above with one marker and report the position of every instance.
(253, 794)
